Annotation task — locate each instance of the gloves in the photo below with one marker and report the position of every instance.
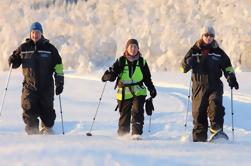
(59, 89)
(11, 60)
(232, 82)
(108, 76)
(153, 93)
(15, 60)
(149, 106)
(59, 82)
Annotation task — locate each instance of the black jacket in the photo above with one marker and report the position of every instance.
(207, 63)
(38, 63)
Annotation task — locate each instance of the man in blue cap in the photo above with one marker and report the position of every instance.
(39, 59)
(36, 31)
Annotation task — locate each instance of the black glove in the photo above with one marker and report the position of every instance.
(108, 76)
(59, 82)
(59, 89)
(232, 82)
(153, 93)
(15, 60)
(149, 106)
(11, 60)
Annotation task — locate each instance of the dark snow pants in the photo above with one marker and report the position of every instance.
(131, 110)
(206, 102)
(37, 104)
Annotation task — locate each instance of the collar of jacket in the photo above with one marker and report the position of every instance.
(43, 40)
(132, 58)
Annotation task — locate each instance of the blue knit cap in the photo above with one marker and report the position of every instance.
(36, 26)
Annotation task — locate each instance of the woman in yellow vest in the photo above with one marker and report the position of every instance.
(133, 74)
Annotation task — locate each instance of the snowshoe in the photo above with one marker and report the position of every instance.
(218, 137)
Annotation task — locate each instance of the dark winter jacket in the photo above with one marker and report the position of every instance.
(39, 61)
(208, 63)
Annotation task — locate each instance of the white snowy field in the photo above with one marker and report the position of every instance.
(89, 35)
(161, 146)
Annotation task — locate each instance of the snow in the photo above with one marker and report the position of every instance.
(164, 145)
(89, 36)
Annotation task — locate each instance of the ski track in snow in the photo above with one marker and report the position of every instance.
(167, 140)
(161, 120)
(178, 94)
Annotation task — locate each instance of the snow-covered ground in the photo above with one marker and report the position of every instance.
(162, 146)
(89, 36)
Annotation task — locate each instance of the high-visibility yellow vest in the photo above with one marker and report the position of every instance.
(131, 86)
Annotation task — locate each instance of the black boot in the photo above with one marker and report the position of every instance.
(199, 135)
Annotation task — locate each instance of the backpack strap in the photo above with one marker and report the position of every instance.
(122, 61)
(142, 63)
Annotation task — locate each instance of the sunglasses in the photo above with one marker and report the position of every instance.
(207, 34)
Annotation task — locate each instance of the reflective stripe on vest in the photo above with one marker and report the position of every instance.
(137, 90)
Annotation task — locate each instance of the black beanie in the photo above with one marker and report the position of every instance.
(132, 41)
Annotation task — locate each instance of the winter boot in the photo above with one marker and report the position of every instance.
(46, 130)
(123, 131)
(30, 130)
(136, 137)
(137, 128)
(199, 135)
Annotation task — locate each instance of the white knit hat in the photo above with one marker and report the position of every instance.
(207, 29)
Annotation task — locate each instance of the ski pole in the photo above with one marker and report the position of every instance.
(89, 133)
(5, 90)
(188, 102)
(232, 113)
(61, 112)
(149, 129)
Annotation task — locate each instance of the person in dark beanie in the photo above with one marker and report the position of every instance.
(133, 74)
(39, 60)
(207, 61)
